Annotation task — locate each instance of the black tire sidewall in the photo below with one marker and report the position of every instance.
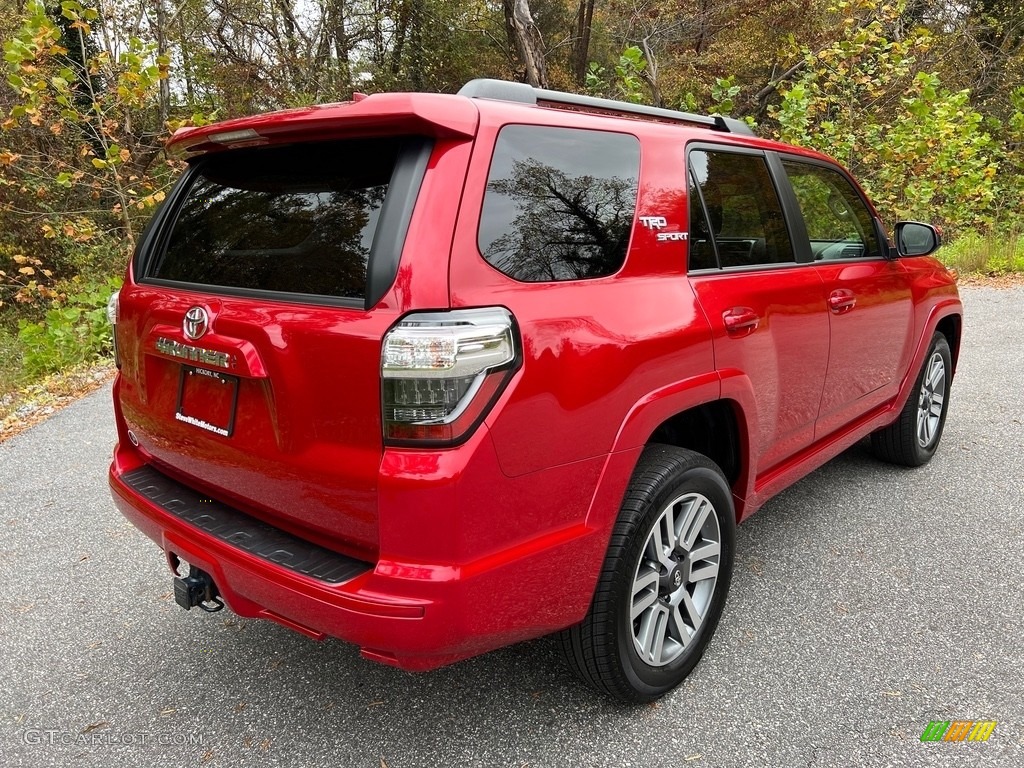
(646, 681)
(940, 345)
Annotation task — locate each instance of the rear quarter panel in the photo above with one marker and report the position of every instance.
(593, 348)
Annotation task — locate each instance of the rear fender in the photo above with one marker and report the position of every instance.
(653, 410)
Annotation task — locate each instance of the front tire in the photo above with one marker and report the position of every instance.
(664, 581)
(911, 440)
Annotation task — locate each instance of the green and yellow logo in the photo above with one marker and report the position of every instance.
(958, 730)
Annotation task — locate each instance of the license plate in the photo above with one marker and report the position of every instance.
(207, 399)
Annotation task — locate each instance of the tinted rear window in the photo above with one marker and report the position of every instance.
(295, 219)
(559, 202)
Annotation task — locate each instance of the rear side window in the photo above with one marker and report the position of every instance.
(559, 203)
(297, 219)
(735, 213)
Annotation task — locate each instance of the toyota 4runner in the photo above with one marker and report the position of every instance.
(435, 374)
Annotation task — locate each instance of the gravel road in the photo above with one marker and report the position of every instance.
(867, 601)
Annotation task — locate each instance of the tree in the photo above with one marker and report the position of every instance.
(526, 39)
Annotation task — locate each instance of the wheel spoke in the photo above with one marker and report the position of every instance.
(695, 519)
(655, 549)
(705, 551)
(645, 592)
(682, 631)
(668, 524)
(651, 637)
(705, 571)
(691, 611)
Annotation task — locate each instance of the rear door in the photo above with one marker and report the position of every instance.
(250, 338)
(869, 301)
(766, 308)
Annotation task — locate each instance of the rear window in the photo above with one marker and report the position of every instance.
(297, 219)
(559, 203)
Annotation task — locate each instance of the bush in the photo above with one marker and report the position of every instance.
(992, 253)
(11, 362)
(74, 330)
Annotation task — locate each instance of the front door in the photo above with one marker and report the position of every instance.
(868, 296)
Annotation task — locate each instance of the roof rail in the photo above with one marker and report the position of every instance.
(502, 90)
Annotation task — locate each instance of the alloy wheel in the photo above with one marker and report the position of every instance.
(675, 579)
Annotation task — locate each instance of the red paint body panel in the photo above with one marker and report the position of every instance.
(869, 342)
(502, 537)
(784, 357)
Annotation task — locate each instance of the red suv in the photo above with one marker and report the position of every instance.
(435, 374)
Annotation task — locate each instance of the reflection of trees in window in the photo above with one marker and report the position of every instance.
(832, 210)
(314, 242)
(824, 211)
(744, 212)
(567, 227)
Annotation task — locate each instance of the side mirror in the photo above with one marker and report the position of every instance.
(916, 239)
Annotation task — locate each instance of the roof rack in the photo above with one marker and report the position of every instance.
(502, 90)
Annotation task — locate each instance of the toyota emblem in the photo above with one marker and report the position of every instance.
(196, 323)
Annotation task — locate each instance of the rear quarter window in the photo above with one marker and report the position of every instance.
(298, 219)
(559, 203)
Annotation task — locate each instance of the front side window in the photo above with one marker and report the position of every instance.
(297, 219)
(735, 212)
(839, 224)
(559, 203)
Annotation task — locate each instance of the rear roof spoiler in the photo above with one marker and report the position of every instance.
(502, 90)
(429, 114)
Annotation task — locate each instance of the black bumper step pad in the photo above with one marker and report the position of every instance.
(241, 530)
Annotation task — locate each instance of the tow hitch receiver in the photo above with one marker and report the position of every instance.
(197, 589)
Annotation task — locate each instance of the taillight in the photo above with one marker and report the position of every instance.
(113, 305)
(442, 371)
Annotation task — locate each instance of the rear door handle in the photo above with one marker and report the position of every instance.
(841, 300)
(740, 321)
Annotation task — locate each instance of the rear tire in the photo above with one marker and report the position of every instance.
(911, 440)
(660, 594)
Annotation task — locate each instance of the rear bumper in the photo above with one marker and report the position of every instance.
(414, 615)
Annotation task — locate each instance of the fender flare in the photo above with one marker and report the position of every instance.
(648, 413)
(949, 308)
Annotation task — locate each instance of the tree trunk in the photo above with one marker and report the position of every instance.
(528, 42)
(650, 74)
(416, 77)
(161, 49)
(581, 48)
(338, 36)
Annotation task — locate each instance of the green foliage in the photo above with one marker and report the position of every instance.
(919, 150)
(627, 83)
(87, 101)
(628, 75)
(90, 103)
(11, 361)
(991, 253)
(73, 331)
(723, 92)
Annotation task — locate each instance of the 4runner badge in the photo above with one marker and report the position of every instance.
(195, 323)
(660, 222)
(173, 348)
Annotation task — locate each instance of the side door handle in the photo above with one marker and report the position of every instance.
(841, 300)
(740, 321)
